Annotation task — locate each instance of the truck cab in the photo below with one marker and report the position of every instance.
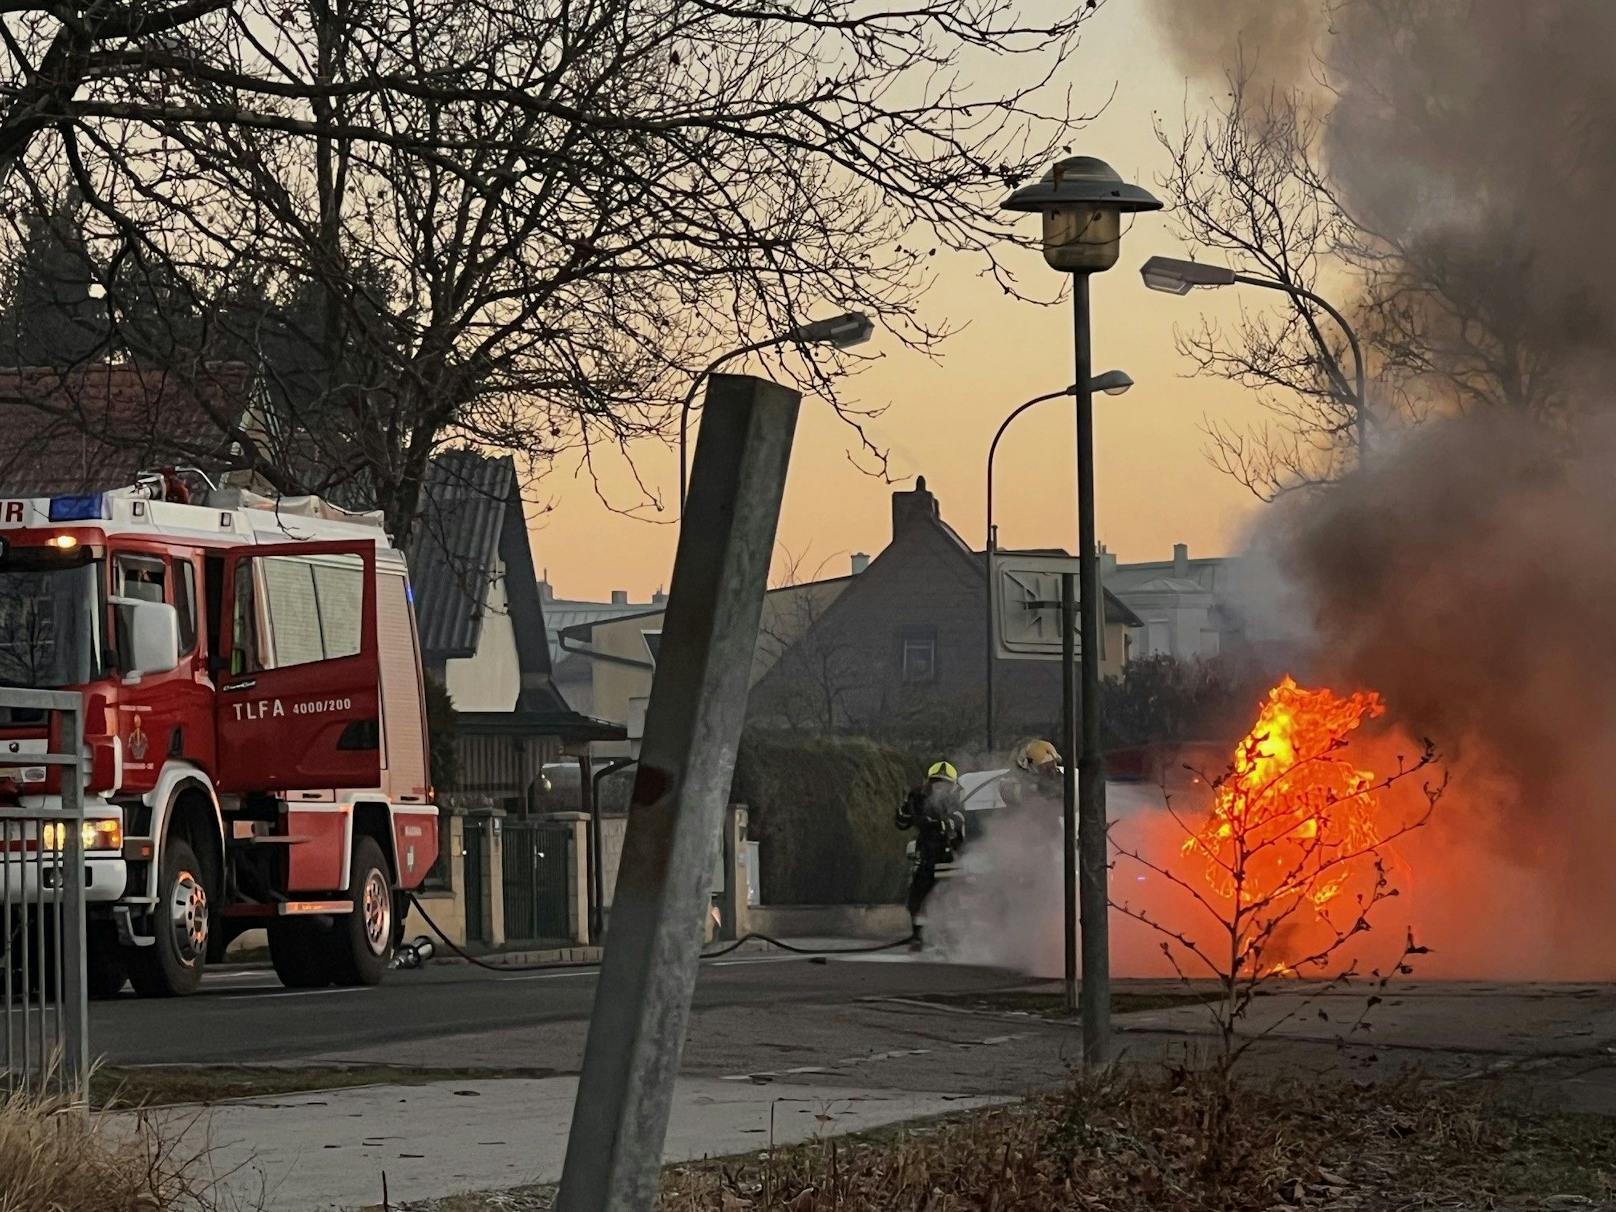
(254, 722)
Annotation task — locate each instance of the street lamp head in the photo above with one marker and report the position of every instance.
(1175, 277)
(1112, 382)
(851, 328)
(1082, 200)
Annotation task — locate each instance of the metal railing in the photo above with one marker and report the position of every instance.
(42, 915)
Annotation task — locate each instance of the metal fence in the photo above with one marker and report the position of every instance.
(42, 916)
(537, 858)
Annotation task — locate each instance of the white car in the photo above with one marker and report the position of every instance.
(983, 794)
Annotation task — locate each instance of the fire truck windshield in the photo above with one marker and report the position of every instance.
(49, 618)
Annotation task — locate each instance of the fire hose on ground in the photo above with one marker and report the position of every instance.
(415, 954)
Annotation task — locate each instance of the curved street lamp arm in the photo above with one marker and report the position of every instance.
(1360, 400)
(695, 386)
(989, 544)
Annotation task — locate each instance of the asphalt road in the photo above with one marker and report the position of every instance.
(415, 1018)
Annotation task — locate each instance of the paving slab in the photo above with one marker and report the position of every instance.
(330, 1151)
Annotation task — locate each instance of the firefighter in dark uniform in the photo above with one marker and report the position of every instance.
(937, 814)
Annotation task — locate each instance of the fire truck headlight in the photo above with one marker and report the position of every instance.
(97, 835)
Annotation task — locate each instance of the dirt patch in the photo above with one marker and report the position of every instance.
(117, 1087)
(1045, 1003)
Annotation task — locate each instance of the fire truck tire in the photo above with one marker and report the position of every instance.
(362, 941)
(172, 966)
(299, 951)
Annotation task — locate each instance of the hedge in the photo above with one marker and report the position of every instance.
(821, 810)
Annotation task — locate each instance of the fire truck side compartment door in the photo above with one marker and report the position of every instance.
(298, 678)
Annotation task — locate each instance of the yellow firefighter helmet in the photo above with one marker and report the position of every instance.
(944, 771)
(1037, 755)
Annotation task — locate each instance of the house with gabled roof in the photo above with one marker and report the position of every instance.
(480, 611)
(1188, 608)
(98, 426)
(572, 670)
(902, 650)
(619, 650)
(897, 646)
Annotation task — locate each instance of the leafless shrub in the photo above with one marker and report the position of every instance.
(1131, 1142)
(1286, 865)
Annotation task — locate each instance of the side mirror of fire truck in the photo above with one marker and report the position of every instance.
(148, 637)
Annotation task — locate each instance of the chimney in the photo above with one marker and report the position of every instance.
(1181, 560)
(546, 590)
(860, 562)
(619, 597)
(913, 507)
(658, 598)
(1108, 562)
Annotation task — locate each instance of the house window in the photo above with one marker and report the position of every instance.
(917, 650)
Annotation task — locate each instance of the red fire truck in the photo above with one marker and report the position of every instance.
(253, 719)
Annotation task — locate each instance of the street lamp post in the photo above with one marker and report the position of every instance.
(1175, 277)
(842, 332)
(1113, 383)
(1082, 201)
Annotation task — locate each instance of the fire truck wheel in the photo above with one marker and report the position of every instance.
(298, 949)
(362, 941)
(172, 965)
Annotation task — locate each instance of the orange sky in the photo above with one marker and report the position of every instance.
(1154, 486)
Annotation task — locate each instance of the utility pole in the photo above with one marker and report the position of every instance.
(1081, 201)
(692, 729)
(1093, 893)
(1068, 615)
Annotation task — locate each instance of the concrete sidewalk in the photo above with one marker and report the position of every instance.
(327, 1151)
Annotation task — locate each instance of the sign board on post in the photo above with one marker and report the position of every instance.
(1026, 606)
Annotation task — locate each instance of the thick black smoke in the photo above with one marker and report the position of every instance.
(1470, 141)
(1469, 577)
(1273, 40)
(1469, 574)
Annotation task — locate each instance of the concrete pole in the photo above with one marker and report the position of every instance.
(1093, 893)
(692, 729)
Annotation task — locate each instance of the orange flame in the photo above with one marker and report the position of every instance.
(1294, 822)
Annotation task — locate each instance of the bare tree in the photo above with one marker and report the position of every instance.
(528, 228)
(1435, 176)
(823, 674)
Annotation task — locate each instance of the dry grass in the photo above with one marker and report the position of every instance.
(1131, 1144)
(57, 1158)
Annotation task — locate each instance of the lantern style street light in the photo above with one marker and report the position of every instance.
(1082, 201)
(840, 332)
(1175, 277)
